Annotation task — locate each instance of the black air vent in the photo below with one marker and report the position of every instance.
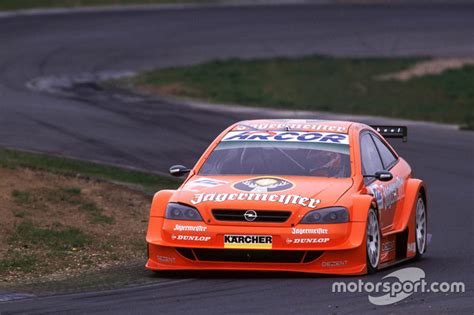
(261, 215)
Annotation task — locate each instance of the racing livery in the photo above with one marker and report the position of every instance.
(292, 195)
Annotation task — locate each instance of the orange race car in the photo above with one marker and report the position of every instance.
(292, 195)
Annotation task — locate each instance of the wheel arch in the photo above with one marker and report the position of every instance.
(414, 187)
(361, 205)
(423, 195)
(159, 203)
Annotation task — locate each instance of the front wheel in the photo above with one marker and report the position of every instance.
(421, 227)
(372, 242)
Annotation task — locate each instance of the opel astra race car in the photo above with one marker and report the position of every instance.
(292, 195)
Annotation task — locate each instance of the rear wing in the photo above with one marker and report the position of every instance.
(392, 131)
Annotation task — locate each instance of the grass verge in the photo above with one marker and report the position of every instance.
(343, 85)
(147, 182)
(57, 225)
(35, 4)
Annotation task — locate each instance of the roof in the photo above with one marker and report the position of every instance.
(294, 124)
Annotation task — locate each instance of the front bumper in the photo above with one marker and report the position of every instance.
(186, 245)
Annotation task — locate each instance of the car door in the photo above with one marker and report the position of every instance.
(372, 163)
(394, 190)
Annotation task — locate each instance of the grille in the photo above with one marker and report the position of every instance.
(262, 215)
(312, 255)
(251, 256)
(186, 253)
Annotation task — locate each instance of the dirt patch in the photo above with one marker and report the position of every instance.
(170, 89)
(430, 67)
(55, 226)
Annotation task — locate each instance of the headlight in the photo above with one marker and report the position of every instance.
(178, 211)
(326, 215)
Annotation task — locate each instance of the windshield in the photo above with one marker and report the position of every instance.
(280, 153)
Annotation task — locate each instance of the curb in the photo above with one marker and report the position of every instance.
(282, 113)
(161, 7)
(219, 4)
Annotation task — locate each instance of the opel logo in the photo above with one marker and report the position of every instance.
(250, 215)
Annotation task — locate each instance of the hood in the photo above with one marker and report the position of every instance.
(289, 193)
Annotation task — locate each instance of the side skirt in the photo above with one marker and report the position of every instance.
(392, 263)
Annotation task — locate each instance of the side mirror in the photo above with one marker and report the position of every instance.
(179, 170)
(383, 176)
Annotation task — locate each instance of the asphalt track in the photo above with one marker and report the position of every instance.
(85, 122)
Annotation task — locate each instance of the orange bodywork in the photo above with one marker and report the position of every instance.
(336, 248)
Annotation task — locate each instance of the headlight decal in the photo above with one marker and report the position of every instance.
(176, 211)
(326, 216)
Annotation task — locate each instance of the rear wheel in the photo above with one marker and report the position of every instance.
(372, 242)
(421, 227)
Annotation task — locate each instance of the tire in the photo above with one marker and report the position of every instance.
(373, 240)
(421, 227)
